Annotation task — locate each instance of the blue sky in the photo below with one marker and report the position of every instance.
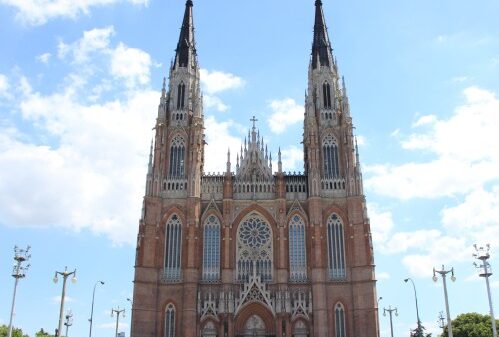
(79, 88)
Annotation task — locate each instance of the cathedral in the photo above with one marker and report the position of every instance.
(254, 251)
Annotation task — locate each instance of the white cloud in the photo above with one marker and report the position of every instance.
(67, 299)
(382, 276)
(381, 224)
(94, 40)
(292, 159)
(122, 326)
(462, 145)
(44, 58)
(90, 175)
(131, 64)
(219, 140)
(217, 81)
(361, 140)
(4, 85)
(38, 12)
(285, 112)
(210, 101)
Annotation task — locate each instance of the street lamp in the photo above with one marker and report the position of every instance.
(390, 311)
(65, 274)
(118, 313)
(483, 255)
(444, 273)
(441, 321)
(18, 272)
(131, 316)
(69, 321)
(91, 319)
(416, 298)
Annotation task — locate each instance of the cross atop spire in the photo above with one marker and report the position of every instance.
(254, 120)
(321, 47)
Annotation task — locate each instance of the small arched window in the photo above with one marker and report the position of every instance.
(170, 321)
(177, 158)
(326, 93)
(339, 320)
(297, 249)
(336, 248)
(181, 96)
(330, 157)
(173, 249)
(211, 249)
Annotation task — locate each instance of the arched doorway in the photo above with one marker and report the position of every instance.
(255, 327)
(209, 330)
(255, 320)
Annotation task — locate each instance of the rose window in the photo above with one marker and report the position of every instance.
(254, 233)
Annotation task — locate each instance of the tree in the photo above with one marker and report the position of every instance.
(4, 331)
(471, 325)
(43, 333)
(420, 332)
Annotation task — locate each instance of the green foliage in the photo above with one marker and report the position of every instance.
(43, 333)
(420, 332)
(471, 325)
(4, 331)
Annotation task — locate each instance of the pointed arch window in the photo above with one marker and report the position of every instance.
(211, 249)
(326, 93)
(170, 321)
(336, 248)
(330, 157)
(254, 249)
(173, 249)
(181, 96)
(177, 158)
(297, 249)
(339, 320)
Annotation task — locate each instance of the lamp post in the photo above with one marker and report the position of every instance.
(416, 298)
(69, 321)
(444, 273)
(65, 274)
(441, 321)
(91, 319)
(118, 313)
(390, 311)
(483, 255)
(131, 316)
(18, 272)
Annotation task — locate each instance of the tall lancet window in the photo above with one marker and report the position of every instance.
(336, 248)
(181, 96)
(173, 249)
(297, 250)
(170, 321)
(339, 320)
(177, 158)
(326, 94)
(331, 160)
(211, 249)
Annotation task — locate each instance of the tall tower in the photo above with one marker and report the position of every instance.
(254, 252)
(335, 183)
(171, 210)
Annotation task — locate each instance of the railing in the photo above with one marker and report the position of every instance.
(333, 187)
(264, 189)
(212, 186)
(296, 186)
(174, 188)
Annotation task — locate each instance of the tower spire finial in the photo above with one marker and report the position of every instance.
(321, 47)
(186, 47)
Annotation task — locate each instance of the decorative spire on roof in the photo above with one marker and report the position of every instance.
(322, 54)
(186, 47)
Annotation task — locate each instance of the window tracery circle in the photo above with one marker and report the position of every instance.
(254, 232)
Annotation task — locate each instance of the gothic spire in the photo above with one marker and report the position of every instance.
(321, 47)
(186, 47)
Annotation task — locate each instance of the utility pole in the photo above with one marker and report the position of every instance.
(19, 272)
(118, 312)
(69, 321)
(483, 255)
(65, 274)
(390, 311)
(441, 321)
(420, 331)
(444, 273)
